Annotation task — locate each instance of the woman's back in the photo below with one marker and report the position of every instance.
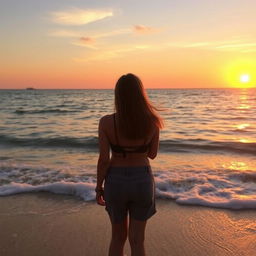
(146, 146)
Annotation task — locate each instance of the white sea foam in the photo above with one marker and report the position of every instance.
(222, 189)
(85, 190)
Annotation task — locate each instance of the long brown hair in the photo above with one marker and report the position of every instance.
(136, 115)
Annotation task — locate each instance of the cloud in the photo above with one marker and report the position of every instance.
(75, 33)
(114, 53)
(114, 33)
(87, 40)
(197, 44)
(228, 45)
(243, 45)
(83, 40)
(141, 29)
(77, 43)
(64, 33)
(79, 16)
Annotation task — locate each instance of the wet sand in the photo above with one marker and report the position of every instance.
(55, 225)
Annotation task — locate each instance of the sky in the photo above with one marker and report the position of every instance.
(76, 44)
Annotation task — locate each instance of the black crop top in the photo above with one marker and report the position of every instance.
(126, 149)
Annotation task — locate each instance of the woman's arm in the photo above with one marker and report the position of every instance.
(154, 145)
(104, 159)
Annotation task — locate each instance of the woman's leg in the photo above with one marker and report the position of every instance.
(119, 236)
(136, 237)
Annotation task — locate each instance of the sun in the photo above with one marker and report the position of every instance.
(240, 73)
(244, 78)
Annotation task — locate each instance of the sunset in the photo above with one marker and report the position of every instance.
(89, 44)
(245, 78)
(128, 128)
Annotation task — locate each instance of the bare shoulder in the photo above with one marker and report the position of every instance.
(106, 120)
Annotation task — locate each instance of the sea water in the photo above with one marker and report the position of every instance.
(207, 154)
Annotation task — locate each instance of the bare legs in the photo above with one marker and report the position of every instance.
(136, 237)
(119, 236)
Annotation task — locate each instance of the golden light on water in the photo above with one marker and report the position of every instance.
(245, 141)
(236, 165)
(239, 166)
(242, 126)
(244, 107)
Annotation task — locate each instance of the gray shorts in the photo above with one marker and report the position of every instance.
(129, 190)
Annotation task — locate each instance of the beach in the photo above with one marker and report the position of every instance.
(56, 225)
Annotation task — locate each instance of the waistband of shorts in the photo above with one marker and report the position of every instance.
(129, 169)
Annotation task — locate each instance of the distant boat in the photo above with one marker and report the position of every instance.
(30, 88)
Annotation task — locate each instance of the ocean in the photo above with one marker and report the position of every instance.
(207, 154)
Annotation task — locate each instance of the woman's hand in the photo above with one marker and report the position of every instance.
(100, 197)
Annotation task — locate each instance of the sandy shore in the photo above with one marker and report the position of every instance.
(55, 225)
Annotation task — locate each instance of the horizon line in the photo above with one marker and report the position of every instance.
(151, 88)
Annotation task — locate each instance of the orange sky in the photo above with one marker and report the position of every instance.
(169, 44)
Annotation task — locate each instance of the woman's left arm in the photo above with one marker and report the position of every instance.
(103, 161)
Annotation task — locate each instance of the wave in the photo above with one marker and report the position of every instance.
(191, 146)
(82, 189)
(44, 111)
(234, 190)
(64, 141)
(166, 146)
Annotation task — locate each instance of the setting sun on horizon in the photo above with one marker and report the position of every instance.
(245, 78)
(240, 73)
(247, 81)
(89, 44)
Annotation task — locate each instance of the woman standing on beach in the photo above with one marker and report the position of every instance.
(132, 134)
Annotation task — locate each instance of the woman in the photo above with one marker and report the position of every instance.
(132, 134)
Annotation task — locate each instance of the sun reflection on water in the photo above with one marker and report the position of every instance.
(242, 126)
(245, 141)
(244, 106)
(244, 100)
(236, 165)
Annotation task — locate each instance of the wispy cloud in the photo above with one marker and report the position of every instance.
(109, 54)
(94, 37)
(77, 16)
(141, 29)
(120, 52)
(83, 40)
(100, 56)
(87, 42)
(197, 44)
(114, 33)
(75, 33)
(84, 44)
(65, 33)
(238, 45)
